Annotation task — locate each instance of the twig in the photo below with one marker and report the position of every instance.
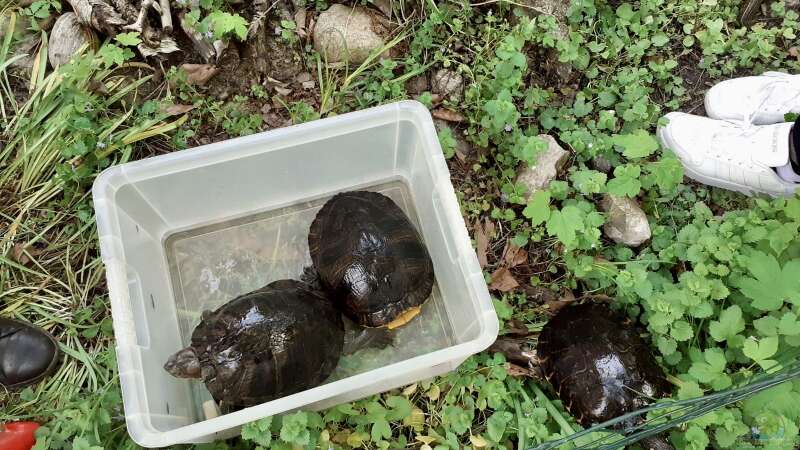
(166, 16)
(139, 24)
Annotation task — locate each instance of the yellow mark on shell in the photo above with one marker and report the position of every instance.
(404, 318)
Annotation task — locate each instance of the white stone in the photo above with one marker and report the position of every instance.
(548, 165)
(626, 223)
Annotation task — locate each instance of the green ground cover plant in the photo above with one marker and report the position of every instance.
(717, 287)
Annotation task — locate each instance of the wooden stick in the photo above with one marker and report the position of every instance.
(166, 16)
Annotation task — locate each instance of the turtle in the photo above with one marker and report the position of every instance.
(597, 363)
(275, 341)
(368, 256)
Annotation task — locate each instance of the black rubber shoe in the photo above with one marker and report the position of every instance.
(27, 354)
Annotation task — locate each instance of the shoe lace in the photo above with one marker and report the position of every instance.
(766, 93)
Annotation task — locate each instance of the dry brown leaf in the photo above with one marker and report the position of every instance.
(448, 115)
(554, 306)
(538, 294)
(503, 281)
(518, 371)
(199, 74)
(514, 256)
(283, 91)
(516, 327)
(300, 20)
(174, 110)
(481, 244)
(18, 254)
(793, 52)
(23, 254)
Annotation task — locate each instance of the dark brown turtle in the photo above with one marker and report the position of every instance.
(370, 259)
(600, 366)
(269, 343)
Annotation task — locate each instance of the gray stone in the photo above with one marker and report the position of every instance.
(626, 223)
(555, 8)
(418, 84)
(67, 37)
(344, 33)
(548, 165)
(447, 83)
(600, 163)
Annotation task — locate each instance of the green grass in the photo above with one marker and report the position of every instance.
(712, 323)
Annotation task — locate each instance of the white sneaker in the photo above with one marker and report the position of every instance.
(727, 155)
(759, 100)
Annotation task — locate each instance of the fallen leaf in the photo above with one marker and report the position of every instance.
(503, 281)
(538, 294)
(199, 74)
(481, 244)
(794, 52)
(409, 390)
(283, 91)
(275, 120)
(427, 440)
(518, 371)
(434, 392)
(174, 110)
(300, 20)
(18, 254)
(309, 84)
(553, 306)
(514, 256)
(447, 114)
(23, 254)
(478, 441)
(516, 327)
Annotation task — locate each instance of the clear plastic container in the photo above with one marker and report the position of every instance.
(188, 231)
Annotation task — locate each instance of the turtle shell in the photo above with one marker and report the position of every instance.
(598, 363)
(269, 343)
(370, 258)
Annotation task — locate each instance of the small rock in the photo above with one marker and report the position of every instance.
(547, 167)
(533, 8)
(418, 84)
(600, 163)
(448, 84)
(344, 33)
(68, 36)
(626, 223)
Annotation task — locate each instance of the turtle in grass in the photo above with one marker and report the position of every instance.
(370, 259)
(597, 363)
(278, 340)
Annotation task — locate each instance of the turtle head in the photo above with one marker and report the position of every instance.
(184, 364)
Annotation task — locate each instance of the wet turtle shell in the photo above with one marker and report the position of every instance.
(598, 363)
(269, 343)
(370, 258)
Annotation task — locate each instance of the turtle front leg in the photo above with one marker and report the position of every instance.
(521, 353)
